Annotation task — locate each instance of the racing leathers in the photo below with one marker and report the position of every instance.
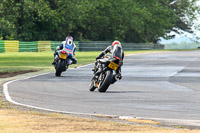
(71, 48)
(115, 51)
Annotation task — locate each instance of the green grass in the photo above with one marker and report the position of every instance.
(25, 61)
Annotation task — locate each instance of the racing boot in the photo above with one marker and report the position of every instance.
(55, 59)
(54, 62)
(118, 76)
(74, 60)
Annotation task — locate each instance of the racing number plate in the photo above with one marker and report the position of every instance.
(63, 56)
(113, 65)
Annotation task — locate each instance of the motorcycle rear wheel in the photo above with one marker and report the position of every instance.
(59, 67)
(106, 82)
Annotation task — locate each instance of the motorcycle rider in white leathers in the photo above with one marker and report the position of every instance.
(70, 46)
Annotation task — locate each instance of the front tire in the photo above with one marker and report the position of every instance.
(106, 82)
(92, 87)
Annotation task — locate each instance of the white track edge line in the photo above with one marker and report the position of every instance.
(8, 97)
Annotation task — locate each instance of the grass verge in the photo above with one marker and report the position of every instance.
(13, 120)
(16, 121)
(26, 61)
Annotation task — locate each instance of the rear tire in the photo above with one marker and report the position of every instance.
(59, 67)
(107, 81)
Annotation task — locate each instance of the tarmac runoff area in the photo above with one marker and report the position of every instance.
(156, 86)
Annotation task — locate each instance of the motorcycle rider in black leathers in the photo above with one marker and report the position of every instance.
(115, 51)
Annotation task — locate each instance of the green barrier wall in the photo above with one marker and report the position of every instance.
(77, 45)
(101, 45)
(2, 47)
(28, 46)
(54, 44)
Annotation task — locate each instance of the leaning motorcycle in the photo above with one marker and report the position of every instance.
(61, 62)
(103, 80)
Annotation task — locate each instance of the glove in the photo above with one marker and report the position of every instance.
(97, 57)
(57, 48)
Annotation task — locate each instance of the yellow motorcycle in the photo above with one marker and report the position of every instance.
(61, 62)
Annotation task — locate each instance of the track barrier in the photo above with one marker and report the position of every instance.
(101, 45)
(44, 46)
(2, 47)
(11, 46)
(28, 46)
(41, 46)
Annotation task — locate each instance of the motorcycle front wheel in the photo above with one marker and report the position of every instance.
(92, 87)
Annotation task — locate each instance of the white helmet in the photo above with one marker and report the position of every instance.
(69, 40)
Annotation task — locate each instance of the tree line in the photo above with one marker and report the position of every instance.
(136, 21)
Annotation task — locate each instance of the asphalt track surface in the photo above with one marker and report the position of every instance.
(163, 86)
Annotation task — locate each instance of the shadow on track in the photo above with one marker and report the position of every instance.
(125, 92)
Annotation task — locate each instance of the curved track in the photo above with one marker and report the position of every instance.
(156, 85)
